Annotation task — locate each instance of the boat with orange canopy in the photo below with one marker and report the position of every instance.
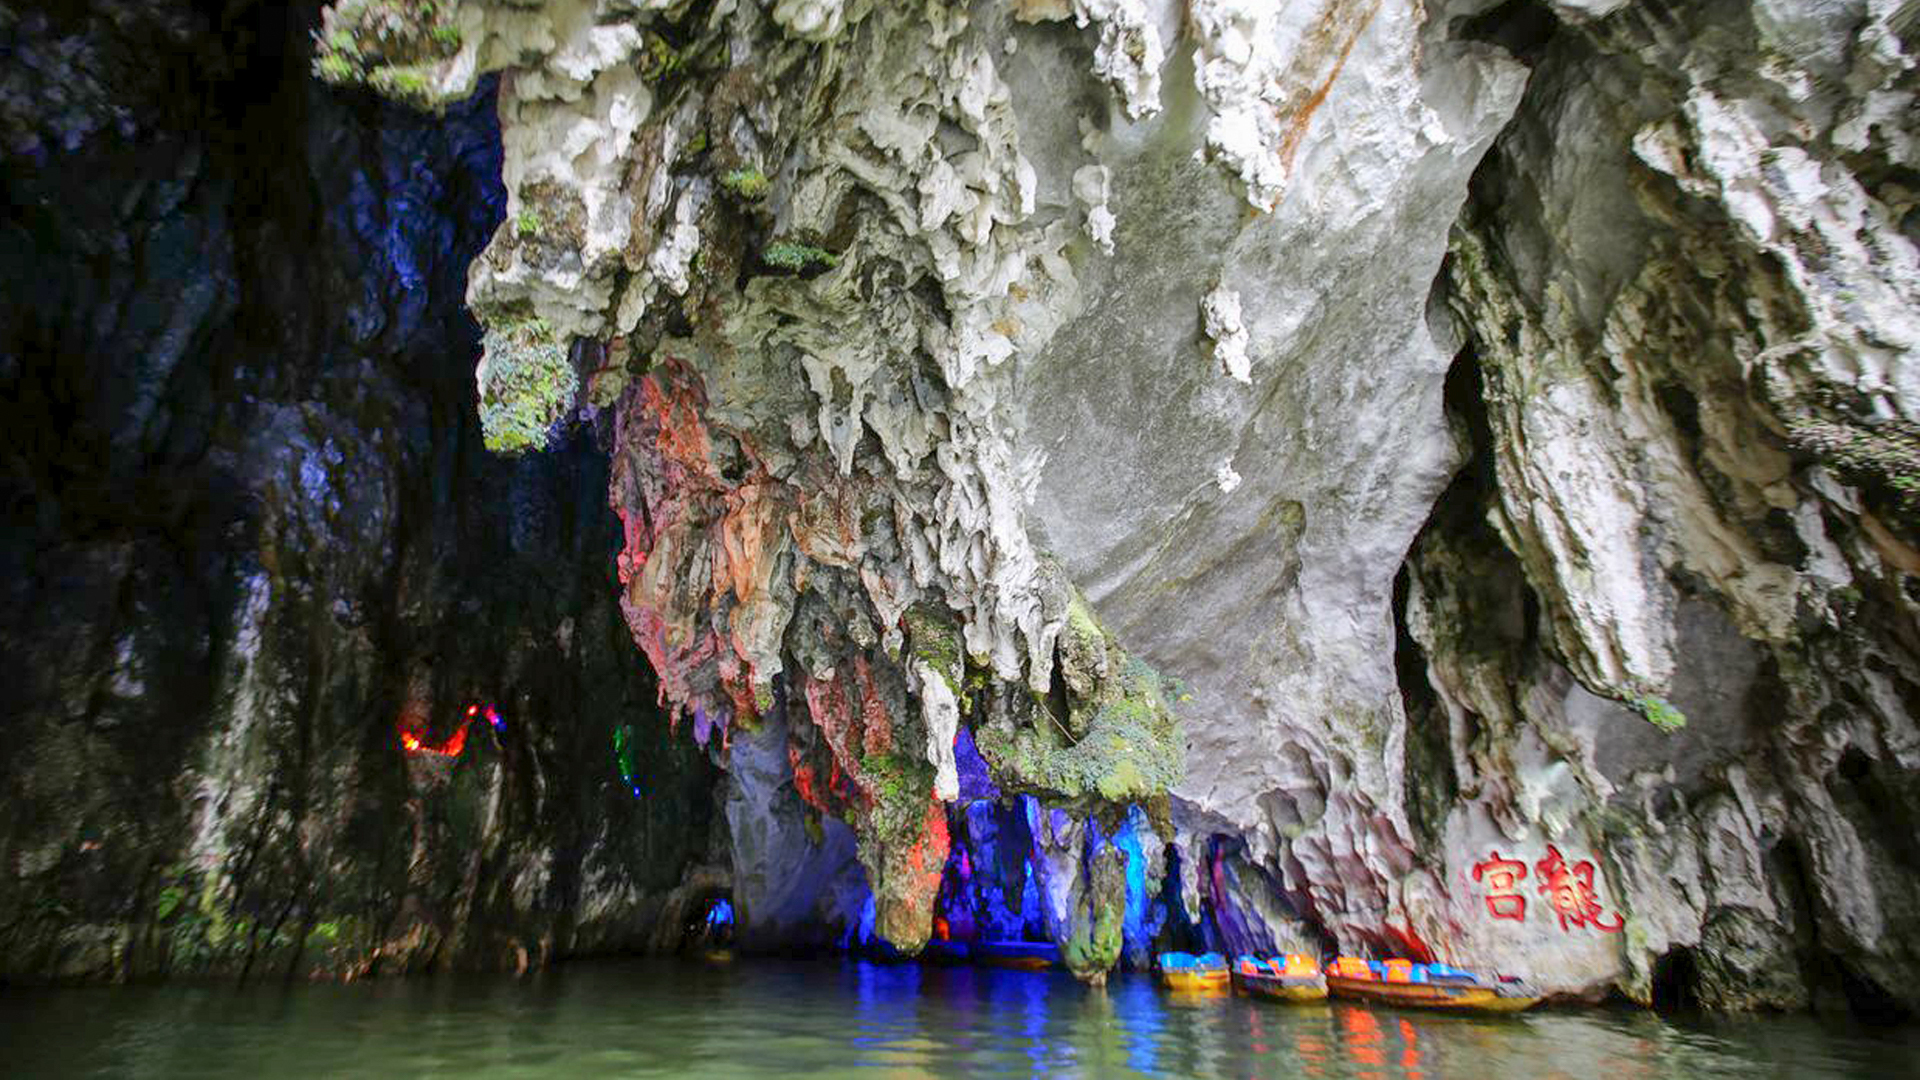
(1427, 986)
(1295, 978)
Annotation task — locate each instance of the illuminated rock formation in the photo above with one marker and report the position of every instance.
(1404, 478)
(930, 333)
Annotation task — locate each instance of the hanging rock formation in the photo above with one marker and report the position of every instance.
(870, 432)
(1432, 479)
(932, 331)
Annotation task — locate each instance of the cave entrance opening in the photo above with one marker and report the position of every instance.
(709, 924)
(1676, 981)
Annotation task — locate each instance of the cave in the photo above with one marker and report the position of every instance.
(1675, 981)
(709, 927)
(880, 521)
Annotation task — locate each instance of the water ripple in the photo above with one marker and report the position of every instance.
(800, 1021)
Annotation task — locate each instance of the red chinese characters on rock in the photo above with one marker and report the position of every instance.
(1502, 879)
(1570, 891)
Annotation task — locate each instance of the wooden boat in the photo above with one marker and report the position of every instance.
(1185, 971)
(1298, 980)
(1419, 986)
(1021, 955)
(940, 951)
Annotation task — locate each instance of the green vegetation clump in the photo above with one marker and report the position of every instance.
(193, 919)
(527, 222)
(1130, 750)
(1889, 453)
(1108, 731)
(390, 46)
(900, 786)
(934, 638)
(527, 384)
(408, 85)
(795, 257)
(658, 59)
(335, 68)
(1660, 712)
(748, 183)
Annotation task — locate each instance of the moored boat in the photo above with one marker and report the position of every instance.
(1427, 986)
(1024, 955)
(942, 951)
(1185, 971)
(1295, 979)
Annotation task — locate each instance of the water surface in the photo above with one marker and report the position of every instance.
(817, 1020)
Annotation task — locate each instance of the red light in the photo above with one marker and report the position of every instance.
(411, 742)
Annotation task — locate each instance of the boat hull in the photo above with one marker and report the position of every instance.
(945, 952)
(1294, 989)
(1017, 963)
(1430, 995)
(1209, 980)
(1018, 955)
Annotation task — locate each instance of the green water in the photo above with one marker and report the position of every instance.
(810, 1020)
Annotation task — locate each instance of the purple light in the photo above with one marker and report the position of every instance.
(975, 782)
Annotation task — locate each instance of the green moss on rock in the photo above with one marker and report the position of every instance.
(1887, 453)
(390, 46)
(527, 384)
(903, 845)
(1660, 712)
(1094, 935)
(748, 183)
(933, 637)
(795, 257)
(1120, 740)
(900, 787)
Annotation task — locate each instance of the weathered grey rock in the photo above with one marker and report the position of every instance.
(791, 877)
(1269, 593)
(962, 357)
(1691, 290)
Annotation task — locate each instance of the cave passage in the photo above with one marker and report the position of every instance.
(1187, 537)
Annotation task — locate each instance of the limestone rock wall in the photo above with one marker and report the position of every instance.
(1234, 484)
(1688, 283)
(899, 315)
(253, 540)
(1449, 466)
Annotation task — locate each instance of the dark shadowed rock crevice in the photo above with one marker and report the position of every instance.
(252, 538)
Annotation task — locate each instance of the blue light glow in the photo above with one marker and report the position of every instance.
(1133, 928)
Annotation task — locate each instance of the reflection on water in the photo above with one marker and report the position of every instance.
(662, 1018)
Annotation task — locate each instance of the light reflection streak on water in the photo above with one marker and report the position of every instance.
(805, 1021)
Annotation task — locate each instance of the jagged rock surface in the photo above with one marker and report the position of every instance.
(958, 362)
(1689, 284)
(251, 531)
(814, 456)
(962, 330)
